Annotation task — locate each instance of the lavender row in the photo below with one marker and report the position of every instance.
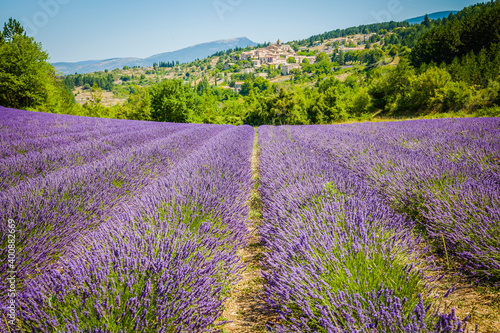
(24, 131)
(456, 204)
(13, 120)
(338, 258)
(165, 262)
(474, 142)
(52, 212)
(40, 142)
(38, 163)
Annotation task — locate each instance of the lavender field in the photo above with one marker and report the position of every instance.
(351, 214)
(130, 226)
(122, 226)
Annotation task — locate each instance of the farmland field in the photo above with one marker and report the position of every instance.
(130, 226)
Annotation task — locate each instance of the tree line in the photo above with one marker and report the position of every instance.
(452, 67)
(27, 80)
(105, 82)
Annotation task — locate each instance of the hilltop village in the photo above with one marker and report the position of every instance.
(276, 54)
(284, 57)
(275, 62)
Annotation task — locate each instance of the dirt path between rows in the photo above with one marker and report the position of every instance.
(245, 308)
(246, 311)
(481, 304)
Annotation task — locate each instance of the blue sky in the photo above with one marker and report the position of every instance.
(75, 30)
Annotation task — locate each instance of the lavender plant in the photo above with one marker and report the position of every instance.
(135, 226)
(447, 180)
(339, 258)
(143, 239)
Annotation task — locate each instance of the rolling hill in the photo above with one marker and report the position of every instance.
(187, 54)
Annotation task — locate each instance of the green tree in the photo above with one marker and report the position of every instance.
(246, 88)
(330, 105)
(371, 56)
(428, 89)
(11, 29)
(203, 86)
(233, 112)
(59, 100)
(207, 110)
(94, 106)
(263, 85)
(287, 107)
(427, 21)
(172, 101)
(322, 57)
(400, 80)
(393, 52)
(296, 72)
(477, 28)
(323, 67)
(341, 57)
(457, 96)
(25, 74)
(361, 103)
(137, 107)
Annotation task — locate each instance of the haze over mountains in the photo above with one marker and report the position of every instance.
(187, 54)
(184, 55)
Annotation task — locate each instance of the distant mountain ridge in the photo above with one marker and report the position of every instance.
(184, 55)
(187, 54)
(432, 16)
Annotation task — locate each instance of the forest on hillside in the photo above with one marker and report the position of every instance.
(436, 68)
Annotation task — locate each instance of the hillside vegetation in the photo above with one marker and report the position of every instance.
(437, 68)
